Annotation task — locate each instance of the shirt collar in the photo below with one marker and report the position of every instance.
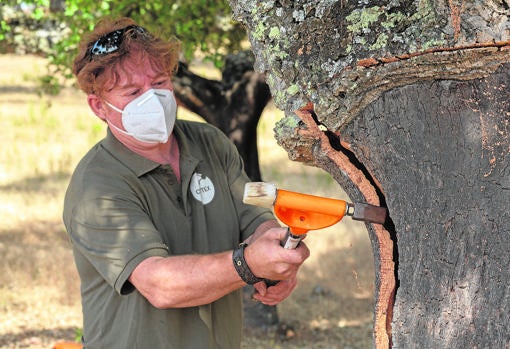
(137, 163)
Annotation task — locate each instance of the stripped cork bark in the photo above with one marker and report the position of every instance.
(385, 288)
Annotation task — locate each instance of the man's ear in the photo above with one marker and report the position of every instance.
(97, 106)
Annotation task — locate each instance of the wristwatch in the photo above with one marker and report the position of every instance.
(242, 267)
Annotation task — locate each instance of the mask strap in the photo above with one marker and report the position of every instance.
(112, 125)
(113, 107)
(118, 129)
(126, 132)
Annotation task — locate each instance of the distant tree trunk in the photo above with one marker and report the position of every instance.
(57, 6)
(407, 105)
(234, 104)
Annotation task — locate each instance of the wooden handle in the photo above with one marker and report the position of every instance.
(260, 194)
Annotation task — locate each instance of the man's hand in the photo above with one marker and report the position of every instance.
(267, 259)
(274, 294)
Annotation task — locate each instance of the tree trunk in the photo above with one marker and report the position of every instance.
(233, 104)
(407, 105)
(444, 164)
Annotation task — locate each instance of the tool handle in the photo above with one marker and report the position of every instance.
(290, 241)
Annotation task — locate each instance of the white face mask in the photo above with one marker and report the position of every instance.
(149, 117)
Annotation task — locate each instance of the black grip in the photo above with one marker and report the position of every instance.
(270, 283)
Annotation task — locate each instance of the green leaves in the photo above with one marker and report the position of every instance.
(203, 26)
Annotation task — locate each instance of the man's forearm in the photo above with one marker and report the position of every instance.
(185, 281)
(190, 280)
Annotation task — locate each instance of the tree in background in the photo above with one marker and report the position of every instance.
(234, 103)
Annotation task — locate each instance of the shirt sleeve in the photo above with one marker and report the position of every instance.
(114, 234)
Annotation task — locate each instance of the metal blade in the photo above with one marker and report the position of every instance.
(369, 213)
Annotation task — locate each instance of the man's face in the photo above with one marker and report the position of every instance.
(136, 76)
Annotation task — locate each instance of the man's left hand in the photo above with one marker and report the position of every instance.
(274, 294)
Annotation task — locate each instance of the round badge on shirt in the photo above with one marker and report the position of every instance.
(202, 188)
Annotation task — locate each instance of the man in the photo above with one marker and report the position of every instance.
(155, 211)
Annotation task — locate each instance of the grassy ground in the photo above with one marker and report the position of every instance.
(44, 138)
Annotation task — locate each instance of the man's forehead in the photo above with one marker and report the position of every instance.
(134, 70)
(129, 78)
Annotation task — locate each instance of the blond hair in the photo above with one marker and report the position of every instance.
(97, 73)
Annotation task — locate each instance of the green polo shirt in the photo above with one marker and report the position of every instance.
(121, 208)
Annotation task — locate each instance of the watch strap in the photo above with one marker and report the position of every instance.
(242, 267)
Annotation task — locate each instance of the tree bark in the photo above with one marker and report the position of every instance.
(441, 151)
(406, 104)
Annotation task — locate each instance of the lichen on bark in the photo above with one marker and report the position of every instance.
(310, 50)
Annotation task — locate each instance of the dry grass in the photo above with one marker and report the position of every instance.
(44, 138)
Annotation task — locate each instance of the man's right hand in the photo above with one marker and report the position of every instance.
(267, 259)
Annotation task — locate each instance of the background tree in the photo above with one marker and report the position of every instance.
(233, 103)
(406, 104)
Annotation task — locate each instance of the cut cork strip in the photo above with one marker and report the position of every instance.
(385, 289)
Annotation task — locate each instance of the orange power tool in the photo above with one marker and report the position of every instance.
(303, 212)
